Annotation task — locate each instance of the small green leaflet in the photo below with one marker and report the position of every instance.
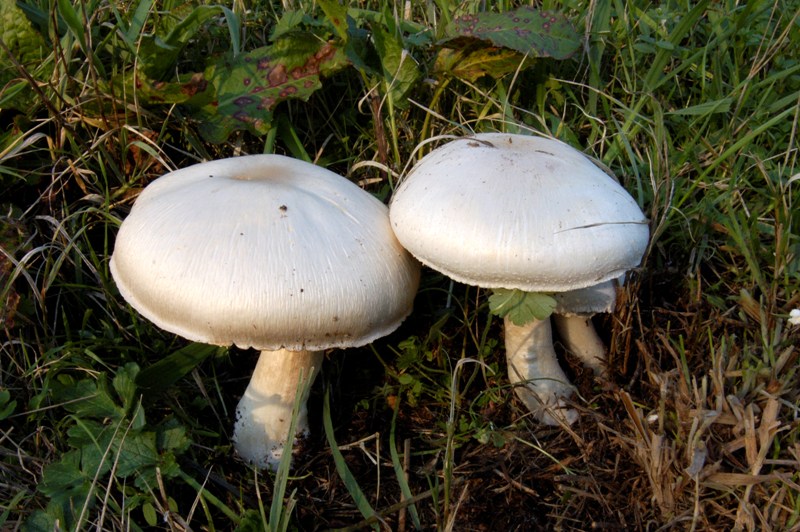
(107, 432)
(521, 307)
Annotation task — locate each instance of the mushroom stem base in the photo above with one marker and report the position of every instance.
(264, 413)
(533, 367)
(580, 338)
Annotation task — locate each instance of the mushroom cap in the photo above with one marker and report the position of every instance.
(500, 210)
(264, 251)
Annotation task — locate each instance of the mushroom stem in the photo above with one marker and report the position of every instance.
(264, 413)
(533, 367)
(580, 338)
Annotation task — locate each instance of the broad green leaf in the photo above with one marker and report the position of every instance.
(87, 397)
(521, 307)
(96, 443)
(241, 92)
(28, 48)
(158, 53)
(471, 63)
(192, 89)
(137, 452)
(173, 367)
(528, 30)
(399, 69)
(65, 479)
(150, 515)
(172, 437)
(249, 87)
(405, 379)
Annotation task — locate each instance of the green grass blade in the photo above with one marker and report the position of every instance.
(73, 21)
(733, 150)
(398, 469)
(279, 512)
(341, 466)
(234, 30)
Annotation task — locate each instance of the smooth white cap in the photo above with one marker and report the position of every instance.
(264, 251)
(511, 211)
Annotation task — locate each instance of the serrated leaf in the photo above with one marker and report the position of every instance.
(95, 441)
(172, 437)
(86, 398)
(65, 479)
(521, 307)
(124, 384)
(137, 453)
(527, 30)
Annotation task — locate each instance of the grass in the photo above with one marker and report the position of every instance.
(695, 108)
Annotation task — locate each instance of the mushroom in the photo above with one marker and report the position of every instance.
(519, 212)
(271, 253)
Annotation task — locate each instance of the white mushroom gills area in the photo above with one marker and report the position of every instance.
(573, 322)
(500, 210)
(268, 252)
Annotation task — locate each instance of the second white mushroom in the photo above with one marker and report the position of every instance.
(519, 212)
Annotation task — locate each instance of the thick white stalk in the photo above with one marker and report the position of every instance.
(580, 338)
(265, 410)
(533, 367)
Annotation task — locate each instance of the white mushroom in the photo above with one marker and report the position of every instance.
(518, 212)
(268, 252)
